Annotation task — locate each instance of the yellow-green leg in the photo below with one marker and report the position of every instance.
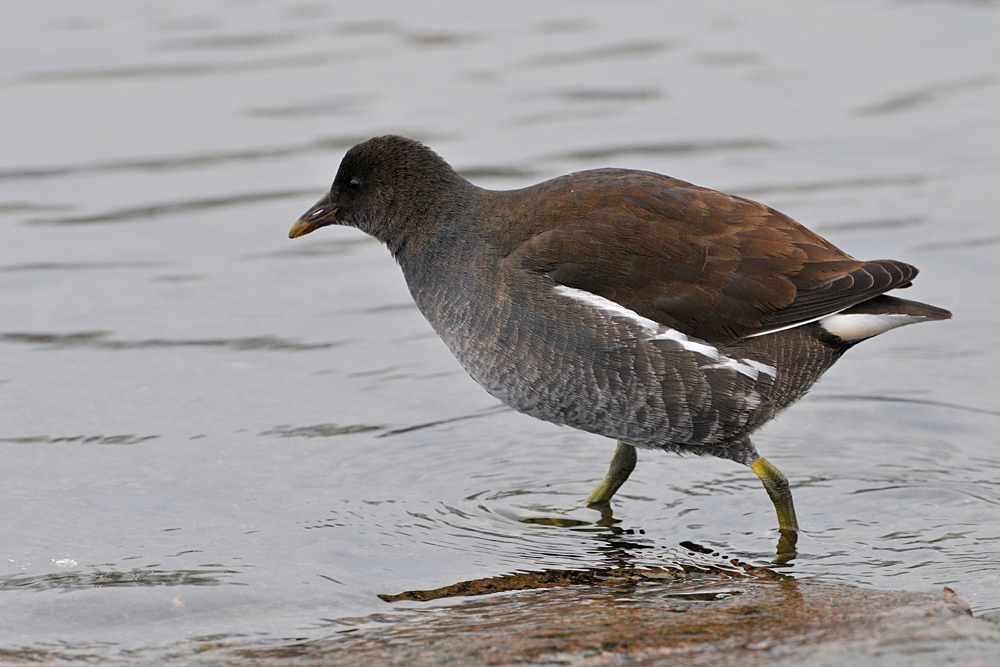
(776, 485)
(621, 467)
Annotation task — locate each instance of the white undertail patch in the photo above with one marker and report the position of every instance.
(858, 326)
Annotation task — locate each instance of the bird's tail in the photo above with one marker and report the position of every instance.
(878, 315)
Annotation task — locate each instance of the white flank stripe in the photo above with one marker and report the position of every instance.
(656, 331)
(858, 326)
(752, 369)
(703, 349)
(763, 368)
(738, 366)
(609, 306)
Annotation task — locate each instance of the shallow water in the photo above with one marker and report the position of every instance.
(209, 430)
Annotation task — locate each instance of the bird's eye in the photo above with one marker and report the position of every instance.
(354, 185)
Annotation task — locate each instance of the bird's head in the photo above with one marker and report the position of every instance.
(384, 187)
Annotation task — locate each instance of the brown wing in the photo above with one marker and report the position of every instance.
(708, 264)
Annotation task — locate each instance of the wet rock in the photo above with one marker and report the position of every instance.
(653, 619)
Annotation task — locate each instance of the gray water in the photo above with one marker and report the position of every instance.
(209, 432)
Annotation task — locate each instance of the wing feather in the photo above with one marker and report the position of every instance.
(711, 265)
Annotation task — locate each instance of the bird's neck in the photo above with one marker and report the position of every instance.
(429, 222)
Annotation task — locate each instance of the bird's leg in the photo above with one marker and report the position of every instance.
(621, 467)
(777, 488)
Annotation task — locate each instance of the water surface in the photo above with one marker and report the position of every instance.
(211, 431)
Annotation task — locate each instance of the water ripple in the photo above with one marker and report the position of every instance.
(927, 95)
(888, 223)
(71, 581)
(172, 208)
(668, 148)
(586, 95)
(320, 430)
(234, 41)
(833, 185)
(81, 266)
(615, 51)
(331, 430)
(124, 439)
(900, 399)
(149, 71)
(98, 339)
(323, 144)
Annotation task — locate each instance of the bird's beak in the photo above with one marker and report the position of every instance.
(320, 215)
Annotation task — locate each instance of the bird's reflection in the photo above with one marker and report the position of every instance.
(619, 548)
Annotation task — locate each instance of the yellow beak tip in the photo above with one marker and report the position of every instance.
(300, 228)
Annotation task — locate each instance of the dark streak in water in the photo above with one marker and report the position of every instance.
(187, 162)
(322, 145)
(983, 241)
(824, 186)
(392, 371)
(80, 266)
(316, 248)
(180, 278)
(602, 53)
(171, 208)
(237, 41)
(125, 439)
(605, 95)
(909, 487)
(898, 399)
(21, 207)
(669, 148)
(440, 39)
(890, 223)
(406, 305)
(920, 97)
(488, 412)
(333, 430)
(321, 430)
(110, 578)
(341, 105)
(98, 339)
(187, 69)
